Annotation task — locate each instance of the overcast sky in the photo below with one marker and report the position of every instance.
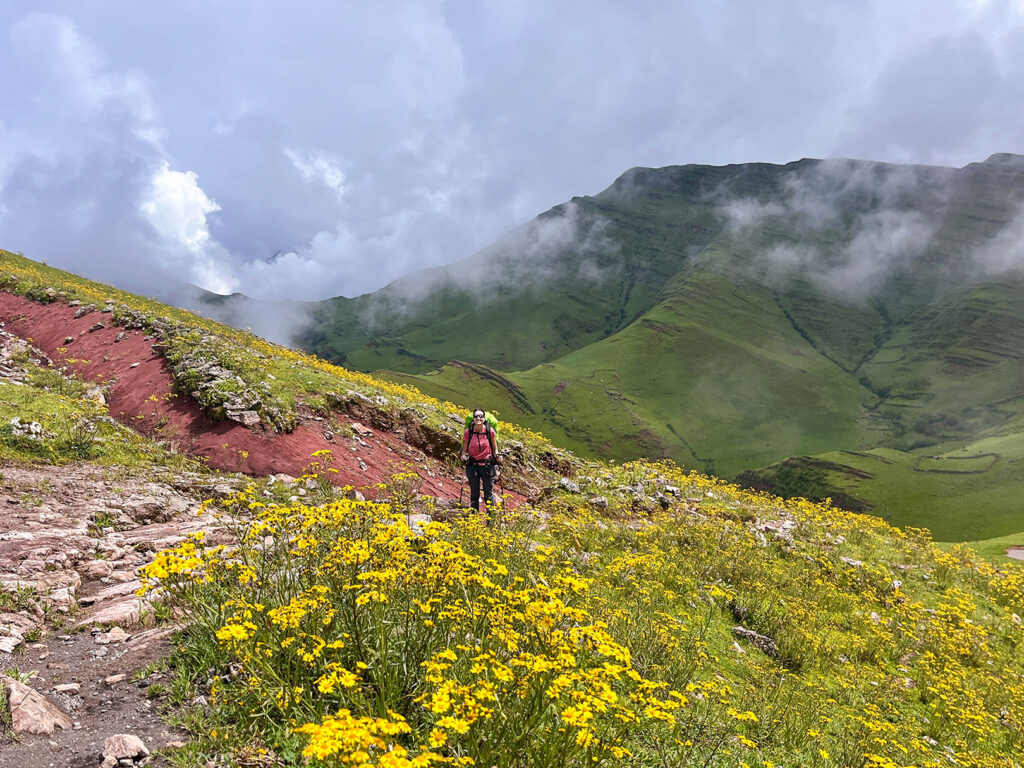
(314, 148)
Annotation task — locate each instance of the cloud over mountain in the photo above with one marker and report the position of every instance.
(335, 147)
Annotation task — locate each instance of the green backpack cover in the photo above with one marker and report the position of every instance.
(487, 417)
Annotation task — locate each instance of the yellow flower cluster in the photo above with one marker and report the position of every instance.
(727, 630)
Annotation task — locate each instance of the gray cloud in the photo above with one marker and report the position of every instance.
(330, 148)
(852, 225)
(566, 244)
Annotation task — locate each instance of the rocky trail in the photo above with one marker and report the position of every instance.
(74, 637)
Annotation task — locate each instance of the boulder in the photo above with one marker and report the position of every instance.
(30, 711)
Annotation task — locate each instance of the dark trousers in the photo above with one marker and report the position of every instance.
(476, 473)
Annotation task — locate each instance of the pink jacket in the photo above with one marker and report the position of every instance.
(479, 444)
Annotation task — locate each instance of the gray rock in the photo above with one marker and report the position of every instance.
(762, 642)
(568, 485)
(247, 418)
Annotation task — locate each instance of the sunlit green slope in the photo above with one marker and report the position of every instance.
(731, 317)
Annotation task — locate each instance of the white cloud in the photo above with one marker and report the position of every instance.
(347, 143)
(317, 165)
(176, 207)
(80, 83)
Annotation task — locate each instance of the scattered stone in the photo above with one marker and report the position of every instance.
(599, 501)
(97, 569)
(30, 711)
(68, 688)
(115, 679)
(247, 418)
(851, 562)
(127, 612)
(115, 635)
(120, 336)
(134, 365)
(31, 429)
(361, 430)
(222, 490)
(123, 746)
(97, 326)
(762, 642)
(8, 644)
(68, 339)
(568, 485)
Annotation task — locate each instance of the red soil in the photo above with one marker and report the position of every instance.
(143, 398)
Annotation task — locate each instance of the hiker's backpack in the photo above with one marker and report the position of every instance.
(491, 420)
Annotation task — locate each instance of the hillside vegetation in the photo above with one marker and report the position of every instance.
(677, 621)
(730, 318)
(635, 615)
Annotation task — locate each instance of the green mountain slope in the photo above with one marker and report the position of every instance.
(731, 317)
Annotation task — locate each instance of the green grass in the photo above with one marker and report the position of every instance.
(720, 364)
(283, 381)
(75, 428)
(714, 377)
(982, 507)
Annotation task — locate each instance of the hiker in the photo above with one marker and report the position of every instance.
(480, 454)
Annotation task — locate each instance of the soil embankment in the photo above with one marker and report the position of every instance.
(140, 393)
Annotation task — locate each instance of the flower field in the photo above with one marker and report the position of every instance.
(721, 628)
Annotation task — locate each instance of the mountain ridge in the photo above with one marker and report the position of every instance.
(903, 277)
